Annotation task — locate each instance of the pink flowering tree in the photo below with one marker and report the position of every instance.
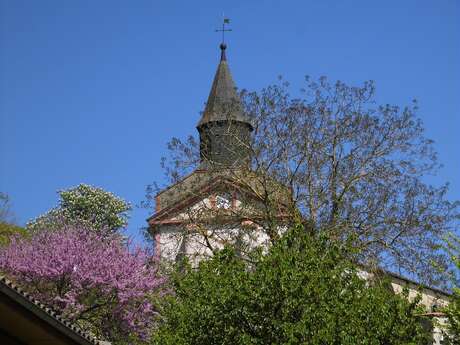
(100, 282)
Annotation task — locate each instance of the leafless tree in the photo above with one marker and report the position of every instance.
(338, 162)
(6, 215)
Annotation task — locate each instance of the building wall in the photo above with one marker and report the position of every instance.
(175, 242)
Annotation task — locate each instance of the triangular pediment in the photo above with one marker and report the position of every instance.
(207, 188)
(199, 192)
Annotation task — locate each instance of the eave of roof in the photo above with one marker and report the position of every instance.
(46, 314)
(424, 286)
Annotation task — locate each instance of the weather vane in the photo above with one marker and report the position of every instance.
(224, 30)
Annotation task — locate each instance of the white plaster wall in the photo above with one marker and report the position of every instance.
(174, 240)
(429, 298)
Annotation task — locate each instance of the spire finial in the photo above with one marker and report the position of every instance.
(223, 46)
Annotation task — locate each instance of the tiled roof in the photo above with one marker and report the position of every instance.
(43, 312)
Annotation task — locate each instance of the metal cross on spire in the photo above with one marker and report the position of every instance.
(224, 30)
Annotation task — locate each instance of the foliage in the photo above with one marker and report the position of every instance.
(304, 291)
(8, 231)
(87, 206)
(341, 163)
(7, 227)
(452, 311)
(96, 280)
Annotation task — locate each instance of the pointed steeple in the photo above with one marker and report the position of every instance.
(224, 128)
(223, 102)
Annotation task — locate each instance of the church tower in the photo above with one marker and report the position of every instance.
(225, 131)
(211, 193)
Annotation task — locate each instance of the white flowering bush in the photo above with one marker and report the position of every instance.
(87, 206)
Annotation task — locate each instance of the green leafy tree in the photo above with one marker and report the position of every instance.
(7, 231)
(452, 311)
(87, 206)
(304, 291)
(7, 227)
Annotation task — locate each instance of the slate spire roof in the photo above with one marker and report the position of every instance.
(223, 102)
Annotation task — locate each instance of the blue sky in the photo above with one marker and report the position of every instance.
(91, 91)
